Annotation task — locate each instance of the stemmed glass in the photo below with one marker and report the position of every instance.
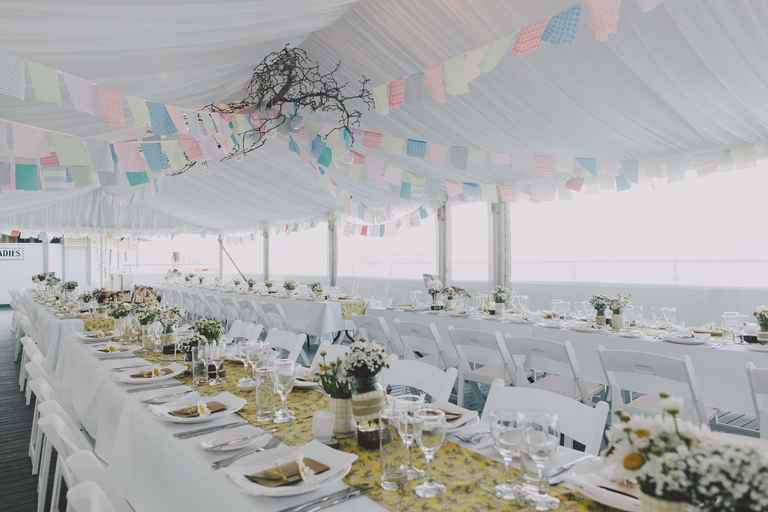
(541, 437)
(404, 408)
(283, 378)
(670, 316)
(215, 353)
(430, 434)
(507, 433)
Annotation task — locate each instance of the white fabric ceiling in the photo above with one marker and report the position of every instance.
(685, 77)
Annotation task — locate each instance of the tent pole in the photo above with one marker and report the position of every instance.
(443, 244)
(333, 250)
(46, 247)
(101, 260)
(265, 234)
(500, 244)
(88, 262)
(221, 260)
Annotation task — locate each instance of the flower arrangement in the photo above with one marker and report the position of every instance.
(500, 295)
(169, 318)
(200, 279)
(316, 288)
(761, 314)
(334, 378)
(121, 310)
(147, 315)
(677, 461)
(51, 280)
(268, 284)
(618, 303)
(365, 359)
(600, 303)
(289, 285)
(451, 292)
(210, 329)
(39, 278)
(189, 277)
(103, 296)
(86, 297)
(251, 283)
(236, 281)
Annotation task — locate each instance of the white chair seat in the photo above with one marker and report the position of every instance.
(487, 374)
(565, 385)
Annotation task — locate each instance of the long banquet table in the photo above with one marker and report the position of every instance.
(720, 371)
(156, 471)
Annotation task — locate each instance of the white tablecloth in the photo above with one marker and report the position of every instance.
(306, 316)
(720, 372)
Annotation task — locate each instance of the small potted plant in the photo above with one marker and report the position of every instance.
(617, 305)
(209, 329)
(435, 289)
(336, 384)
(189, 277)
(289, 286)
(268, 285)
(363, 363)
(600, 303)
(251, 284)
(169, 318)
(147, 315)
(761, 315)
(236, 281)
(316, 288)
(451, 293)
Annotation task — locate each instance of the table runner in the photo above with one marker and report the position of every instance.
(468, 475)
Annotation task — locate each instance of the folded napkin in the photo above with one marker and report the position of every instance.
(285, 474)
(451, 416)
(193, 411)
(148, 374)
(107, 350)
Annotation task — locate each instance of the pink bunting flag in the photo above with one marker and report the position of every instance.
(437, 153)
(574, 184)
(110, 103)
(603, 17)
(128, 157)
(529, 38)
(433, 79)
(177, 116)
(191, 146)
(396, 93)
(507, 193)
(544, 165)
(371, 139)
(500, 158)
(49, 160)
(357, 158)
(453, 188)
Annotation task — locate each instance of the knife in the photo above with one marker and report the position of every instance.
(224, 463)
(558, 471)
(188, 434)
(618, 492)
(154, 386)
(337, 501)
(328, 497)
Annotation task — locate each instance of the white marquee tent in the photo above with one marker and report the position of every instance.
(681, 83)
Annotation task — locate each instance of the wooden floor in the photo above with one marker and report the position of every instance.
(18, 488)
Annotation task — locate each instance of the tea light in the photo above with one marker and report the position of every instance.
(322, 426)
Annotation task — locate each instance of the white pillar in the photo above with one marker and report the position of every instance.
(265, 234)
(500, 245)
(88, 262)
(221, 259)
(333, 250)
(46, 251)
(443, 244)
(101, 260)
(63, 258)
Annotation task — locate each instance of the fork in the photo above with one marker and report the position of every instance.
(224, 463)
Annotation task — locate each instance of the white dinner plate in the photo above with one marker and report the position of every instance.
(122, 352)
(757, 347)
(340, 463)
(125, 376)
(232, 402)
(681, 340)
(630, 334)
(90, 337)
(589, 484)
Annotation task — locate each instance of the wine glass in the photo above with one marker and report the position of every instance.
(541, 437)
(670, 316)
(507, 433)
(215, 354)
(430, 435)
(404, 408)
(283, 378)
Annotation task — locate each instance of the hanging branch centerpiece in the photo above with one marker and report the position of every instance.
(286, 84)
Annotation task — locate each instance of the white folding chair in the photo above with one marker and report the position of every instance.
(88, 497)
(332, 353)
(83, 466)
(29, 352)
(482, 356)
(427, 378)
(551, 364)
(651, 374)
(60, 437)
(758, 386)
(577, 422)
(290, 342)
(43, 394)
(375, 329)
(421, 342)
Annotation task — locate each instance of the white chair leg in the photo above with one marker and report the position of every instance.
(42, 481)
(28, 394)
(22, 371)
(33, 436)
(460, 391)
(37, 454)
(56, 490)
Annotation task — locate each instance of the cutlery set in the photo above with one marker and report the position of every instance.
(329, 500)
(224, 463)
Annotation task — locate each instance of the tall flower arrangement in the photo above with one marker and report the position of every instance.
(761, 315)
(209, 329)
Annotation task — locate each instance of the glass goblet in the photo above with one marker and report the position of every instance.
(430, 435)
(404, 408)
(541, 437)
(507, 432)
(283, 378)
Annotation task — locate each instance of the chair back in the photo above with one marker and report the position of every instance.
(577, 421)
(427, 378)
(332, 352)
(480, 349)
(289, 342)
(61, 436)
(420, 341)
(652, 374)
(85, 467)
(88, 497)
(758, 386)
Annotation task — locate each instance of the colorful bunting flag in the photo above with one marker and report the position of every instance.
(416, 91)
(137, 178)
(70, 150)
(160, 120)
(381, 98)
(26, 177)
(405, 190)
(13, 81)
(437, 153)
(416, 148)
(49, 160)
(603, 17)
(459, 156)
(29, 141)
(45, 83)
(191, 146)
(473, 60)
(326, 157)
(138, 109)
(496, 51)
(179, 118)
(456, 82)
(153, 154)
(56, 178)
(172, 150)
(393, 145)
(433, 80)
(372, 140)
(529, 38)
(574, 184)
(622, 184)
(588, 165)
(453, 188)
(128, 157)
(396, 93)
(82, 93)
(110, 103)
(563, 27)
